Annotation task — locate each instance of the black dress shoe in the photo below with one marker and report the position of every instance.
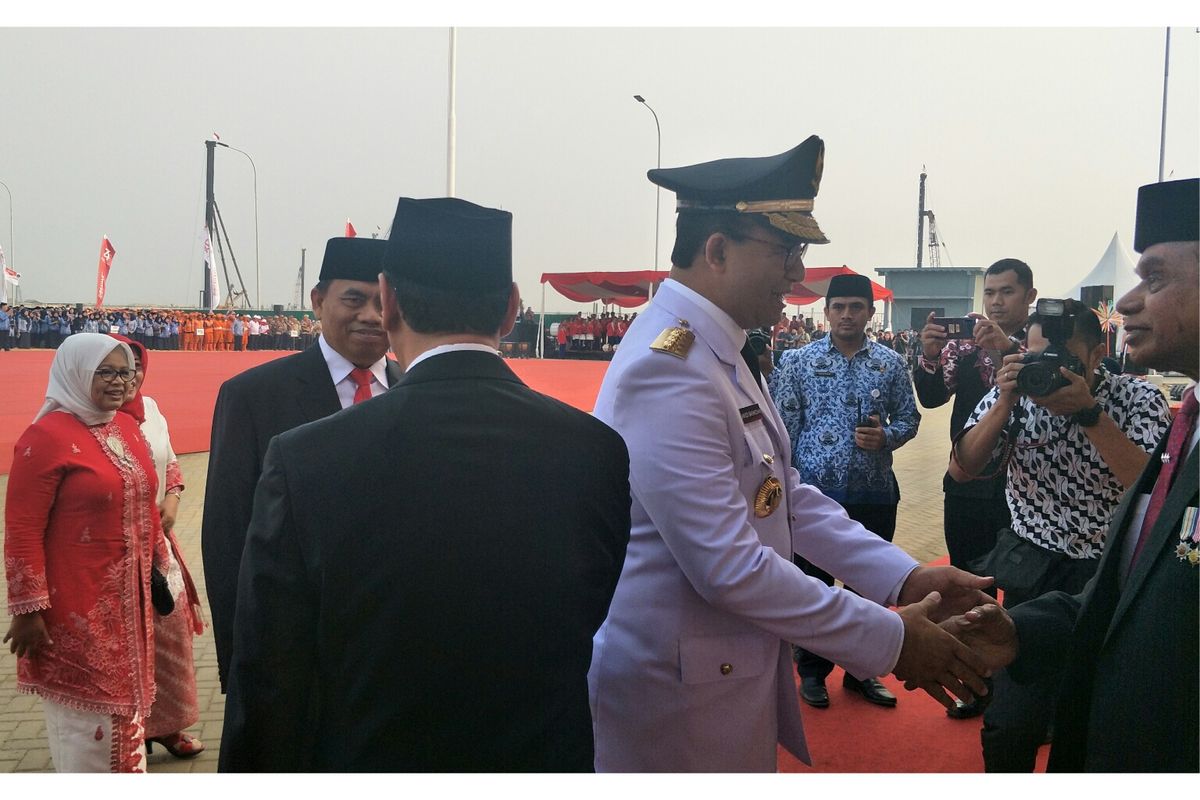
(961, 710)
(872, 690)
(813, 692)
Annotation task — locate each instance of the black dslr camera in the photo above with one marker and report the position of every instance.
(760, 340)
(1040, 375)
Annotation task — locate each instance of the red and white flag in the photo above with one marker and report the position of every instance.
(350, 232)
(10, 276)
(107, 253)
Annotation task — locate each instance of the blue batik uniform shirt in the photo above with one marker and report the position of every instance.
(821, 396)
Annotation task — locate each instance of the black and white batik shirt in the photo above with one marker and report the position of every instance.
(1060, 492)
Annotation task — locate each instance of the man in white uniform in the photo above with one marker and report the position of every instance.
(692, 668)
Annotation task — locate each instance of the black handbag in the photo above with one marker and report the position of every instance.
(160, 593)
(1018, 565)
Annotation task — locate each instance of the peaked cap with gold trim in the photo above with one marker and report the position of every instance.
(781, 187)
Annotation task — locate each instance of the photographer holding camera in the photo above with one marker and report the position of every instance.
(1072, 437)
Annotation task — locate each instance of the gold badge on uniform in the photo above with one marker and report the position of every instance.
(676, 341)
(768, 497)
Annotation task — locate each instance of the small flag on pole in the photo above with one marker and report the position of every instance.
(350, 232)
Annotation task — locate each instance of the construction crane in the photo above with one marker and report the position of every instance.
(298, 297)
(935, 256)
(935, 243)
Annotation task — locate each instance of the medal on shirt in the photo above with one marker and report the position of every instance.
(769, 494)
(1189, 537)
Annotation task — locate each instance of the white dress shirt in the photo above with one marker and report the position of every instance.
(340, 368)
(452, 348)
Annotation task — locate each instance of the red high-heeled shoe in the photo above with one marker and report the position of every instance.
(180, 745)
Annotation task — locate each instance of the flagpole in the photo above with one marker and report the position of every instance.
(210, 154)
(450, 133)
(1162, 141)
(12, 247)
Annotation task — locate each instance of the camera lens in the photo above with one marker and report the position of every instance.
(1037, 379)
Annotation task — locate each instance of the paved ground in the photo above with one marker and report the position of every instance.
(919, 467)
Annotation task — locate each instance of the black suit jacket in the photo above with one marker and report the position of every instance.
(1127, 655)
(252, 407)
(422, 579)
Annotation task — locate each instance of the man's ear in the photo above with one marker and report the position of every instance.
(315, 299)
(514, 308)
(714, 251)
(389, 307)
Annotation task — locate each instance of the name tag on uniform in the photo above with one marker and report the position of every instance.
(751, 413)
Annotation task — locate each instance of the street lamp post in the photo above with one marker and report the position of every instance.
(658, 164)
(257, 273)
(11, 245)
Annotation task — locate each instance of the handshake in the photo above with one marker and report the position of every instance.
(955, 636)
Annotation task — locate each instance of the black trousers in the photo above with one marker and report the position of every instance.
(971, 524)
(1016, 721)
(880, 520)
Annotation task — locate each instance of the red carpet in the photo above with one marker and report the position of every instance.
(853, 735)
(185, 386)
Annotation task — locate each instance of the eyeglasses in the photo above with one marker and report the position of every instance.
(108, 375)
(795, 254)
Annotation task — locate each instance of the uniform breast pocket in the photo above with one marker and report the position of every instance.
(758, 444)
(706, 659)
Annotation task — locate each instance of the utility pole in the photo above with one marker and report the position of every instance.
(921, 219)
(209, 218)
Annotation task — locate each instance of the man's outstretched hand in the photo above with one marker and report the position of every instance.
(934, 660)
(989, 631)
(960, 591)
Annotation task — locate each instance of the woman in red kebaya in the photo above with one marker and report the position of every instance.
(82, 533)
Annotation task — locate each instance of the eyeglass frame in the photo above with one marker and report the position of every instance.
(800, 249)
(128, 377)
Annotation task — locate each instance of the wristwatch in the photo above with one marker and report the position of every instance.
(1088, 416)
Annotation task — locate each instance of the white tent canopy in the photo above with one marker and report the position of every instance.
(1115, 269)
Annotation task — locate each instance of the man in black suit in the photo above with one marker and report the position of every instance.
(348, 362)
(1127, 647)
(418, 592)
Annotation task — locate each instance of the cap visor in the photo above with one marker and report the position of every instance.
(798, 224)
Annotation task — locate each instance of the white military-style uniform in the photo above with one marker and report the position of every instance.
(692, 670)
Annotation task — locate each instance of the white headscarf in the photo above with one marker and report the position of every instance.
(71, 375)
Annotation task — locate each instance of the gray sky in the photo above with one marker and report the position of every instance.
(1034, 140)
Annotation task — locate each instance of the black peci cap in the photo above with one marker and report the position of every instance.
(1167, 212)
(352, 259)
(450, 244)
(781, 187)
(851, 286)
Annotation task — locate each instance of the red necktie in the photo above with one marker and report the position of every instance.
(1181, 434)
(362, 380)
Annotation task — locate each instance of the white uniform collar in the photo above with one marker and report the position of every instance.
(732, 333)
(452, 348)
(339, 366)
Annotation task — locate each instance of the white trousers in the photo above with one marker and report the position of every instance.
(84, 741)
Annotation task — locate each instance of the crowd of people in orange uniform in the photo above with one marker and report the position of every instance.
(40, 326)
